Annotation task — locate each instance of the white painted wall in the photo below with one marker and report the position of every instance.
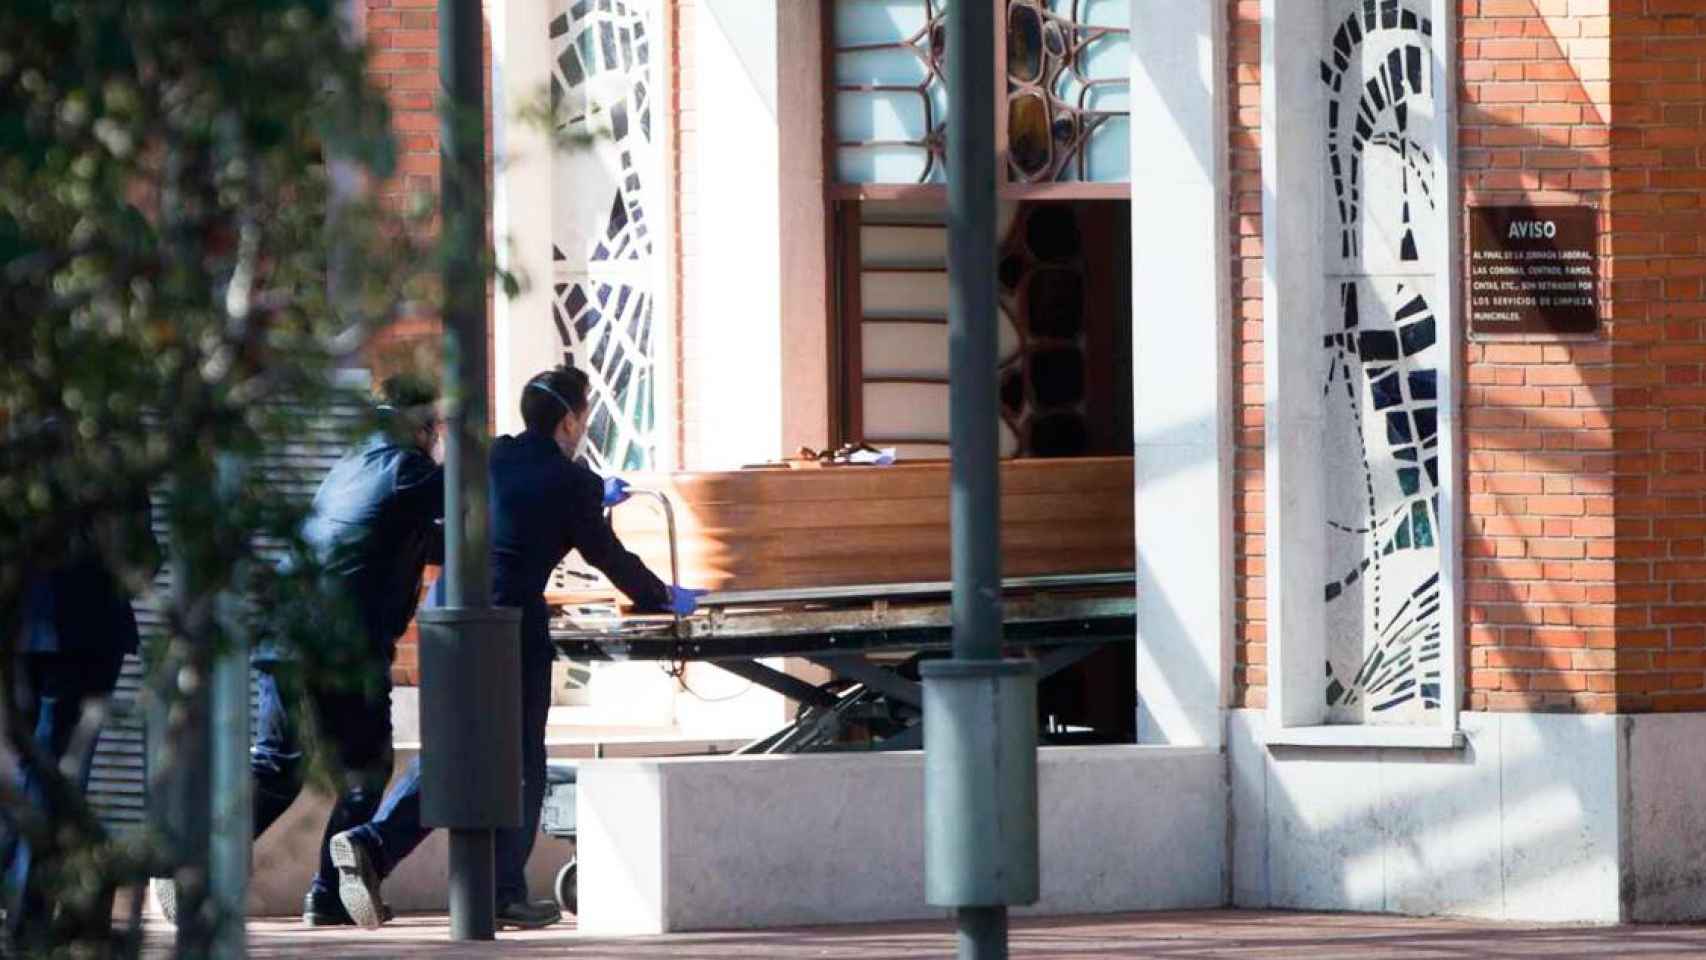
(732, 342)
(524, 340)
(1522, 824)
(1181, 371)
(688, 844)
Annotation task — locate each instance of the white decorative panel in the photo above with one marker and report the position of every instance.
(603, 238)
(1382, 362)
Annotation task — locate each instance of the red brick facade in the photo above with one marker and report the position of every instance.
(684, 17)
(1585, 534)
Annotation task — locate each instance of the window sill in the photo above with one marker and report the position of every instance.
(1366, 735)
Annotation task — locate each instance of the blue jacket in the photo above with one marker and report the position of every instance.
(543, 506)
(80, 608)
(373, 528)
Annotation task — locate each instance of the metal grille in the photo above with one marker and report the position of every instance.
(119, 774)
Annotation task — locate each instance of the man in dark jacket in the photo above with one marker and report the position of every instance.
(78, 626)
(372, 530)
(544, 504)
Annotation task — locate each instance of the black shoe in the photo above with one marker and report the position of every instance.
(358, 882)
(326, 910)
(528, 915)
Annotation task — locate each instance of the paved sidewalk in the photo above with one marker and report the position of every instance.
(1245, 935)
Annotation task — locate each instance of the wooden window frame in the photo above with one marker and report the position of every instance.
(842, 208)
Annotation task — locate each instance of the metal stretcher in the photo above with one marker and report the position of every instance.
(870, 639)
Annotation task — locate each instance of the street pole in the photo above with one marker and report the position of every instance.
(979, 710)
(467, 579)
(974, 501)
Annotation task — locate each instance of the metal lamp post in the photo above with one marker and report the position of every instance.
(469, 650)
(980, 734)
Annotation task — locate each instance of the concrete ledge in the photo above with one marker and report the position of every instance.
(1366, 735)
(695, 844)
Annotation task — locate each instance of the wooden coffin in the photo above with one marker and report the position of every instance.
(839, 526)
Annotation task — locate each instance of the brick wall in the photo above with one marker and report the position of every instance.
(1538, 428)
(1658, 181)
(684, 269)
(402, 37)
(1244, 60)
(1585, 527)
(402, 41)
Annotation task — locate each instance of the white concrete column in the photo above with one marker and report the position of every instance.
(755, 338)
(1181, 369)
(524, 340)
(804, 237)
(1293, 121)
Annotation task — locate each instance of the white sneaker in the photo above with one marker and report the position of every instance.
(165, 893)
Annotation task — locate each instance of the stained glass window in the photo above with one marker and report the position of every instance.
(603, 251)
(1066, 103)
(891, 101)
(1067, 87)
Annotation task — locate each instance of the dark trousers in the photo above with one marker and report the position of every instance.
(56, 688)
(397, 830)
(355, 727)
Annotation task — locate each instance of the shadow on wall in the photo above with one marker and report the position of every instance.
(1539, 422)
(1523, 823)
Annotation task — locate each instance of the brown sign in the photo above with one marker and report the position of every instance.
(1533, 270)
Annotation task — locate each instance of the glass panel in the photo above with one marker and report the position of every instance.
(890, 104)
(906, 411)
(1028, 134)
(877, 21)
(903, 246)
(1067, 81)
(1102, 13)
(904, 294)
(890, 66)
(1107, 157)
(1025, 43)
(904, 349)
(881, 117)
(892, 164)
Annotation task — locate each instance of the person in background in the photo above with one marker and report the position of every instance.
(78, 625)
(544, 504)
(372, 529)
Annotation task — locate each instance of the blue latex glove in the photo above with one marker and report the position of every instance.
(435, 596)
(615, 491)
(684, 600)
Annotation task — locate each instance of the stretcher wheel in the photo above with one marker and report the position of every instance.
(566, 889)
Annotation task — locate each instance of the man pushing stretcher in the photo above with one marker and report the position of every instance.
(544, 504)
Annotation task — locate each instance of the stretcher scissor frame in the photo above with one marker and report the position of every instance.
(869, 637)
